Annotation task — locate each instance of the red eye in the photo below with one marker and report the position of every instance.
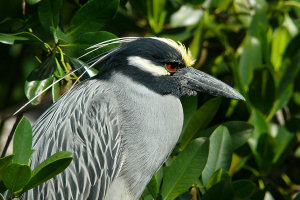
(171, 67)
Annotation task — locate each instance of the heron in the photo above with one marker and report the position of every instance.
(121, 124)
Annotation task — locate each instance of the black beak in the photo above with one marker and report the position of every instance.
(201, 82)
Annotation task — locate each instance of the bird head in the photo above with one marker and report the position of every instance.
(165, 66)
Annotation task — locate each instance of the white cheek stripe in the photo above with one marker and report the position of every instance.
(147, 65)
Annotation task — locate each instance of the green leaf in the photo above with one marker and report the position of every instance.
(4, 162)
(92, 16)
(48, 12)
(250, 59)
(52, 166)
(82, 41)
(200, 120)
(32, 2)
(220, 153)
(185, 169)
(16, 176)
(44, 71)
(189, 105)
(3, 188)
(215, 178)
(283, 140)
(222, 190)
(22, 142)
(260, 127)
(265, 152)
(33, 88)
(243, 188)
(239, 131)
(154, 184)
(280, 42)
(24, 37)
(262, 90)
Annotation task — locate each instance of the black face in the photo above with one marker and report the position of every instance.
(180, 81)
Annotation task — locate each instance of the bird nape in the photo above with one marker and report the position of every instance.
(122, 124)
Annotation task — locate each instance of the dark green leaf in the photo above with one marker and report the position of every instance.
(92, 16)
(16, 176)
(19, 37)
(154, 184)
(239, 131)
(222, 190)
(48, 12)
(283, 139)
(33, 88)
(22, 142)
(189, 105)
(265, 152)
(44, 71)
(81, 42)
(220, 152)
(185, 169)
(3, 188)
(243, 188)
(4, 162)
(52, 166)
(262, 90)
(297, 197)
(200, 120)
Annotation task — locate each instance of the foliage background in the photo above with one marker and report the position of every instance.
(250, 44)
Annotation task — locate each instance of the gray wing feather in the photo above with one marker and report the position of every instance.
(86, 123)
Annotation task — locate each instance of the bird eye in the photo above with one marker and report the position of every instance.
(171, 67)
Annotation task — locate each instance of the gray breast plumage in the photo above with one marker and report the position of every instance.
(114, 134)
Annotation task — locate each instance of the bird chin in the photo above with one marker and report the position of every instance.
(188, 92)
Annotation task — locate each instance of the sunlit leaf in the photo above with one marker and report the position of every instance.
(22, 142)
(33, 88)
(185, 169)
(52, 166)
(220, 152)
(16, 176)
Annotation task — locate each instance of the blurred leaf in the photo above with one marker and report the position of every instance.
(19, 37)
(16, 176)
(262, 90)
(220, 152)
(33, 88)
(81, 42)
(196, 44)
(1, 197)
(22, 142)
(283, 139)
(185, 169)
(265, 152)
(4, 162)
(185, 16)
(215, 178)
(48, 12)
(222, 190)
(243, 188)
(239, 131)
(32, 2)
(243, 6)
(200, 120)
(250, 59)
(189, 105)
(92, 16)
(52, 166)
(280, 41)
(297, 197)
(156, 13)
(154, 184)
